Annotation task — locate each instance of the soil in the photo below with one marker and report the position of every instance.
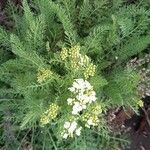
(140, 128)
(136, 126)
(140, 141)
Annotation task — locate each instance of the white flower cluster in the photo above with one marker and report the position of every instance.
(84, 95)
(70, 129)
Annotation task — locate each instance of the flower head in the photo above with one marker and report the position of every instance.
(70, 101)
(84, 95)
(91, 116)
(90, 71)
(77, 107)
(67, 125)
(80, 85)
(74, 52)
(71, 128)
(78, 131)
(64, 53)
(43, 74)
(49, 114)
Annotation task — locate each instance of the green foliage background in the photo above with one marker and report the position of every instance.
(110, 32)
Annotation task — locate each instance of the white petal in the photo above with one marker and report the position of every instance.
(75, 112)
(80, 80)
(72, 127)
(88, 85)
(86, 125)
(86, 99)
(74, 123)
(67, 125)
(92, 99)
(90, 122)
(65, 136)
(76, 85)
(70, 101)
(71, 89)
(77, 107)
(84, 106)
(80, 96)
(93, 93)
(78, 131)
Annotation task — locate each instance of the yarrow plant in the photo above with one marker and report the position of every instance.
(82, 95)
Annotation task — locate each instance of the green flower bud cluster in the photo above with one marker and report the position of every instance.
(78, 61)
(92, 119)
(97, 109)
(74, 65)
(50, 114)
(73, 55)
(74, 52)
(90, 71)
(43, 74)
(64, 54)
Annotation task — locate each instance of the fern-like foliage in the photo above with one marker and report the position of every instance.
(19, 49)
(54, 42)
(122, 88)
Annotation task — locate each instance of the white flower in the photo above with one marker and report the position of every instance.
(86, 125)
(72, 89)
(80, 97)
(70, 101)
(65, 136)
(93, 93)
(72, 127)
(74, 112)
(88, 85)
(67, 125)
(78, 131)
(76, 85)
(84, 106)
(79, 85)
(76, 108)
(85, 98)
(84, 95)
(79, 81)
(90, 122)
(92, 97)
